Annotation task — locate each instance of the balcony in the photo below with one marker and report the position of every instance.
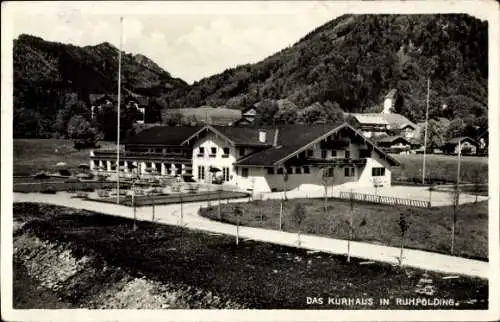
(335, 162)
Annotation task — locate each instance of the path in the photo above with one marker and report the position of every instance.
(170, 214)
(438, 198)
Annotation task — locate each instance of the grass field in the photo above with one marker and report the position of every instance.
(255, 274)
(440, 167)
(34, 155)
(374, 223)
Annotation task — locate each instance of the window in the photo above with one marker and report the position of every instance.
(244, 172)
(298, 170)
(310, 153)
(225, 174)
(378, 172)
(201, 151)
(226, 152)
(323, 154)
(364, 153)
(270, 170)
(242, 152)
(330, 172)
(213, 152)
(334, 153)
(96, 163)
(306, 170)
(349, 172)
(280, 171)
(289, 170)
(347, 154)
(201, 172)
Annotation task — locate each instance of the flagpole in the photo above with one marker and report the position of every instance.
(118, 115)
(426, 125)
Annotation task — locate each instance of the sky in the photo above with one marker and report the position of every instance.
(193, 40)
(189, 40)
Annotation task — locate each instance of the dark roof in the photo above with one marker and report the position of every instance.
(246, 135)
(163, 135)
(460, 139)
(389, 139)
(267, 156)
(293, 138)
(94, 98)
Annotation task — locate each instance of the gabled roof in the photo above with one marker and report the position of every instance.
(461, 139)
(390, 139)
(93, 98)
(294, 139)
(393, 120)
(163, 135)
(370, 118)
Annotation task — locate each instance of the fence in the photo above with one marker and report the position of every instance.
(385, 200)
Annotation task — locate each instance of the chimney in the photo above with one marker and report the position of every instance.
(262, 136)
(275, 140)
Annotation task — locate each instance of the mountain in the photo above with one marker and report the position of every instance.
(46, 73)
(355, 60)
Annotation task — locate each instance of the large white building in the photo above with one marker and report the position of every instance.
(260, 159)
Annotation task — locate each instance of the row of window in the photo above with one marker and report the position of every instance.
(298, 170)
(213, 152)
(378, 172)
(330, 172)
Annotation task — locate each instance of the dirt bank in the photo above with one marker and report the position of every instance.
(50, 275)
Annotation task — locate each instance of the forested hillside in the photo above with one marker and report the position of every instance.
(354, 60)
(348, 64)
(48, 76)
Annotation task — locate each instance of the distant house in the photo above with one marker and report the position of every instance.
(468, 145)
(247, 116)
(395, 144)
(386, 122)
(102, 101)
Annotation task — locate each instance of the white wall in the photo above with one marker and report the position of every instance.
(209, 141)
(365, 177)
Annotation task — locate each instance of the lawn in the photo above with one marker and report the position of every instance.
(440, 167)
(255, 274)
(374, 223)
(34, 155)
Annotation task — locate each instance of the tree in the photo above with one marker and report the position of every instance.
(455, 129)
(350, 226)
(265, 112)
(287, 112)
(403, 227)
(298, 215)
(172, 118)
(455, 195)
(326, 176)
(81, 132)
(435, 135)
(237, 213)
(70, 109)
(285, 181)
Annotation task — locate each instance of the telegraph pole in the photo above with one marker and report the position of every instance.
(426, 126)
(118, 115)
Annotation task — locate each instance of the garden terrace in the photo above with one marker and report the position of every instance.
(373, 223)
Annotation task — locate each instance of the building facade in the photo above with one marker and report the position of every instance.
(286, 157)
